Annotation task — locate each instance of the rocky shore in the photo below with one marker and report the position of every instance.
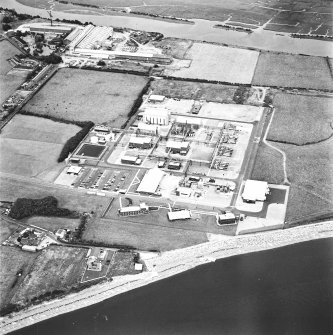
(167, 264)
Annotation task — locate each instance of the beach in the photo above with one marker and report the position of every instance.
(167, 264)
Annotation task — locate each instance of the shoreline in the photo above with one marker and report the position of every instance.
(165, 265)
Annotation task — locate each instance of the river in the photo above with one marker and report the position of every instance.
(202, 30)
(286, 290)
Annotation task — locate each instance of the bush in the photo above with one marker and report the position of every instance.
(74, 141)
(101, 63)
(48, 206)
(6, 26)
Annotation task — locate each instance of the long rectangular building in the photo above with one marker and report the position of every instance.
(151, 181)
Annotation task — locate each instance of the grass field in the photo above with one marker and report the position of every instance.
(57, 268)
(301, 119)
(12, 188)
(8, 82)
(310, 172)
(141, 236)
(268, 165)
(123, 264)
(284, 70)
(12, 260)
(213, 62)
(30, 146)
(53, 223)
(84, 95)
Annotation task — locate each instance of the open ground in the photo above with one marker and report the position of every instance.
(284, 70)
(213, 62)
(82, 95)
(311, 118)
(13, 187)
(56, 268)
(30, 146)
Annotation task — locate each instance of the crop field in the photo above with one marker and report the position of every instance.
(12, 260)
(311, 118)
(12, 188)
(268, 165)
(57, 268)
(53, 223)
(30, 146)
(310, 172)
(141, 236)
(84, 95)
(213, 62)
(293, 71)
(8, 82)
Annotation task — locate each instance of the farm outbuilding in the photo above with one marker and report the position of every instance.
(255, 190)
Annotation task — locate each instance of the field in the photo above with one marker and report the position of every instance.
(142, 236)
(268, 165)
(8, 82)
(311, 118)
(53, 223)
(30, 146)
(82, 95)
(310, 172)
(122, 264)
(13, 188)
(57, 268)
(212, 62)
(13, 260)
(297, 71)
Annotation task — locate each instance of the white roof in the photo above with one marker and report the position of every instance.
(177, 145)
(179, 215)
(159, 112)
(156, 97)
(147, 127)
(74, 169)
(140, 140)
(255, 190)
(189, 120)
(226, 216)
(184, 190)
(130, 209)
(150, 181)
(129, 158)
(138, 267)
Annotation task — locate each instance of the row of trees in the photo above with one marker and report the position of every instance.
(48, 206)
(74, 141)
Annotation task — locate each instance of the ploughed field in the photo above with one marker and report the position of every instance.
(30, 146)
(85, 95)
(295, 71)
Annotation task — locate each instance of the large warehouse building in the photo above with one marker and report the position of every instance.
(156, 116)
(151, 181)
(255, 190)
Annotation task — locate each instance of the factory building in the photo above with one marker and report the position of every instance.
(151, 181)
(255, 190)
(156, 116)
(175, 147)
(140, 142)
(148, 129)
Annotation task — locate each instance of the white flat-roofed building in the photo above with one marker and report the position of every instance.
(140, 142)
(226, 218)
(255, 190)
(74, 169)
(150, 129)
(150, 181)
(156, 98)
(61, 233)
(158, 116)
(179, 215)
(178, 147)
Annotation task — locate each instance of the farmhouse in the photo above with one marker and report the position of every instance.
(177, 147)
(255, 190)
(150, 181)
(140, 142)
(156, 116)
